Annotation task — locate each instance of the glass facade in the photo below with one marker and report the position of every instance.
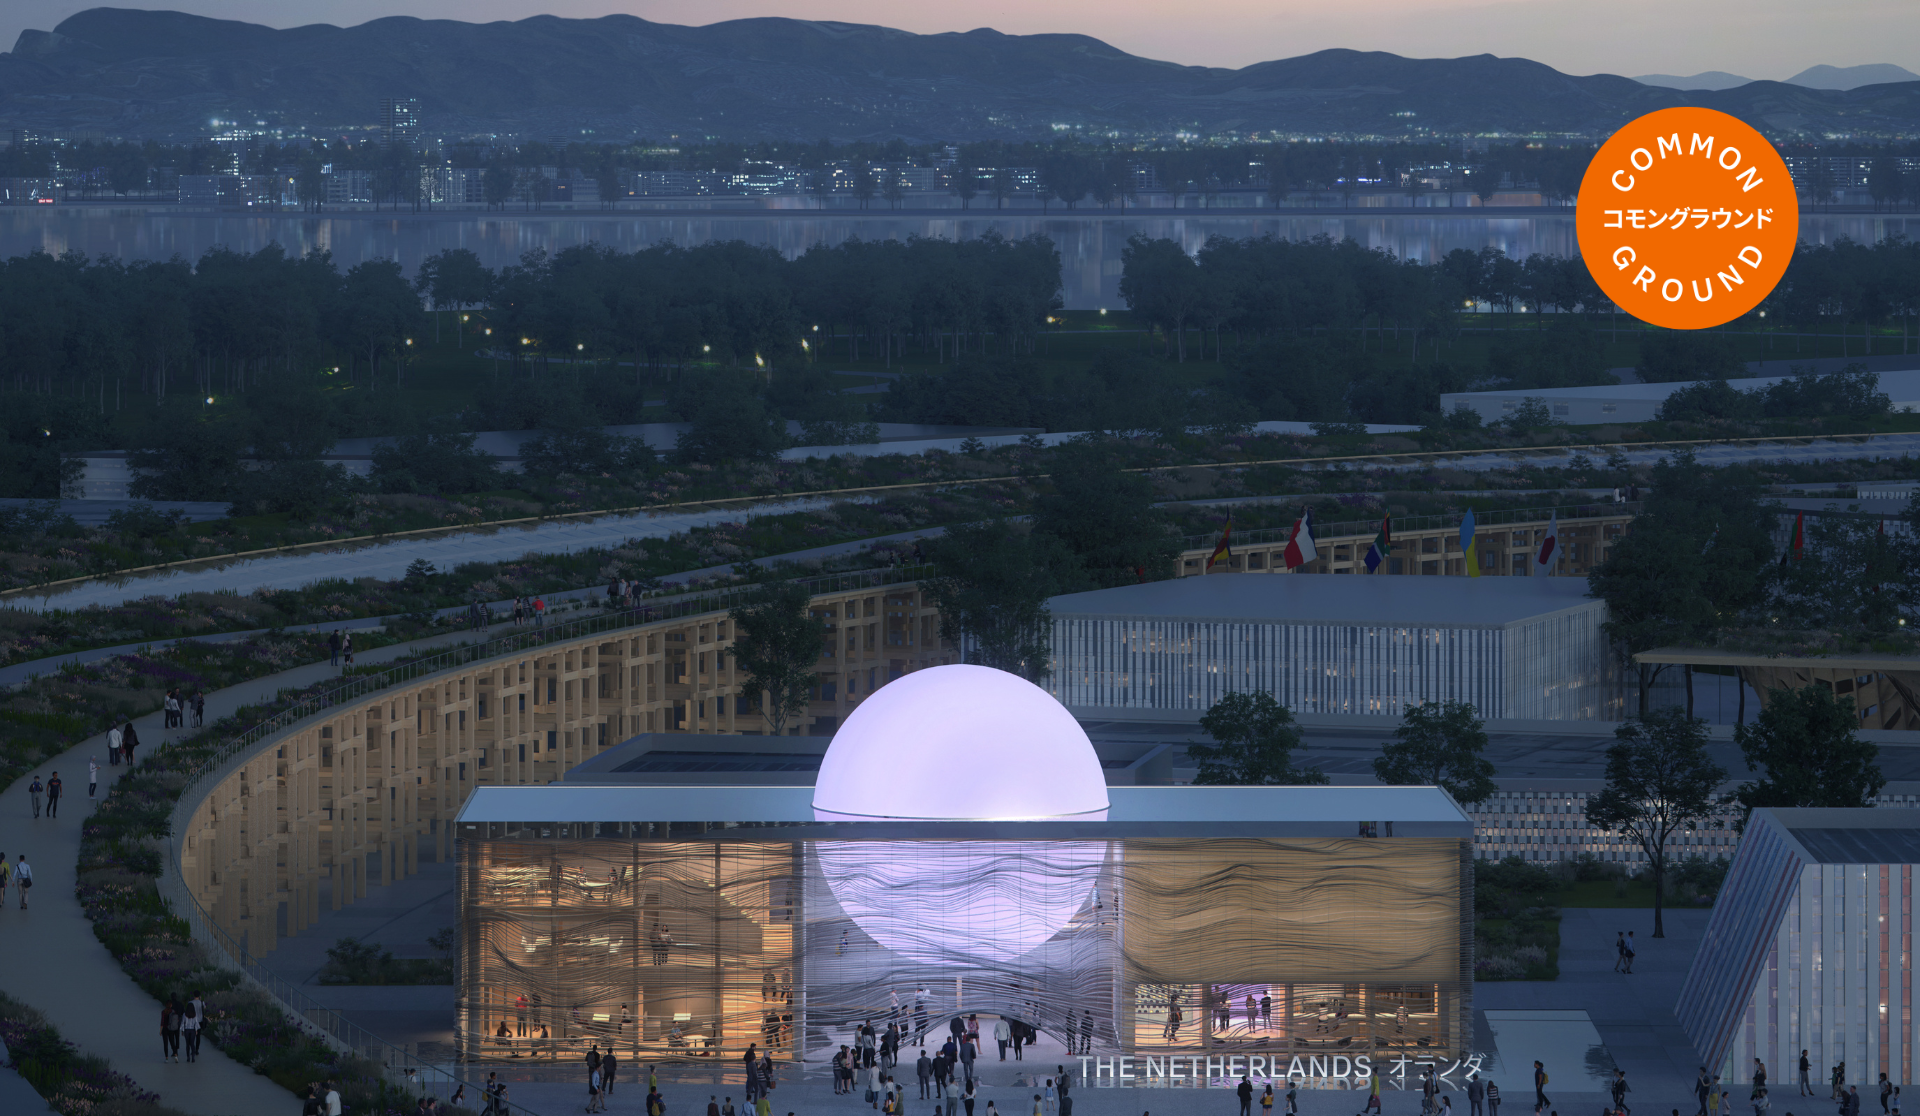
(1810, 949)
(684, 946)
(1556, 666)
(1836, 980)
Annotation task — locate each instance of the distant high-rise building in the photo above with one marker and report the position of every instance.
(400, 122)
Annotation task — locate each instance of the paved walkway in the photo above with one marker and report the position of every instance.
(57, 965)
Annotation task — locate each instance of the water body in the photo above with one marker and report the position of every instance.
(1090, 243)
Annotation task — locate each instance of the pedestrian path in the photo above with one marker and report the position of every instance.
(389, 558)
(57, 965)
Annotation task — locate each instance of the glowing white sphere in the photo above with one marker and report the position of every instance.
(958, 743)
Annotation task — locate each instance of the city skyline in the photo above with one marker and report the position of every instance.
(1760, 39)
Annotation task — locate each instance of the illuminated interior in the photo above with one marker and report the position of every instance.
(669, 943)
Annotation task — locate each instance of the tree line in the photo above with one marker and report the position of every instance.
(230, 320)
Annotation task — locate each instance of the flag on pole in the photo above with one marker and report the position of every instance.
(1300, 549)
(1382, 545)
(1466, 544)
(1549, 546)
(1223, 550)
(1799, 541)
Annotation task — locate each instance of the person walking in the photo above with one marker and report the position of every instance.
(113, 746)
(1373, 1094)
(1002, 1034)
(1493, 1097)
(129, 740)
(34, 790)
(1628, 956)
(952, 1093)
(199, 709)
(346, 649)
(1620, 951)
(166, 1031)
(1619, 1089)
(1540, 1086)
(6, 874)
(1266, 1100)
(1806, 1067)
(1476, 1095)
(23, 876)
(195, 1018)
(54, 788)
(1886, 1093)
(1245, 1092)
(1086, 1032)
(93, 774)
(171, 1025)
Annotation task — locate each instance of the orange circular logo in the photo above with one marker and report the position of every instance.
(1687, 218)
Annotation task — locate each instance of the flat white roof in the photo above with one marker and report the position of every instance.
(1135, 811)
(1901, 387)
(1441, 602)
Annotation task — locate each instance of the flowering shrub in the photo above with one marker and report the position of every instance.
(73, 1084)
(116, 882)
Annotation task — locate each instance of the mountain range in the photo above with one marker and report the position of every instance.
(159, 73)
(1813, 77)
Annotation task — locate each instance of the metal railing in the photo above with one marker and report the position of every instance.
(1350, 528)
(404, 1069)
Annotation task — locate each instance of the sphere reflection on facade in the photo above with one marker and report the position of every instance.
(961, 743)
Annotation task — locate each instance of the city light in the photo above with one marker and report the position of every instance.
(706, 348)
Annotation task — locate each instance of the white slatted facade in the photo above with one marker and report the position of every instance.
(1554, 666)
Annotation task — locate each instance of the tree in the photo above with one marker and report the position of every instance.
(1883, 181)
(1161, 283)
(966, 184)
(991, 584)
(863, 185)
(776, 645)
(892, 187)
(1660, 780)
(730, 422)
(496, 186)
(1439, 744)
(1805, 745)
(1254, 740)
(1107, 520)
(1696, 556)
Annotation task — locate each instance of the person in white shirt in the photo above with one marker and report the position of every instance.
(113, 745)
(333, 1100)
(93, 774)
(196, 1017)
(24, 876)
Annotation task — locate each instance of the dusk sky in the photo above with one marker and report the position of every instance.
(1754, 38)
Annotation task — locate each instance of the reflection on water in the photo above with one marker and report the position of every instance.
(1089, 244)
